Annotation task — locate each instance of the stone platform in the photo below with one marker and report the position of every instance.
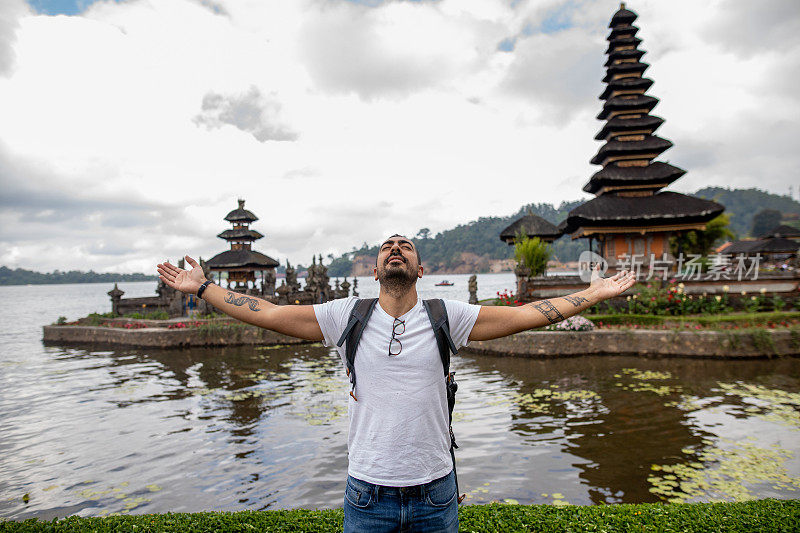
(785, 284)
(228, 334)
(728, 344)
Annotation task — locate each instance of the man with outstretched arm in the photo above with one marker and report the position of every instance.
(400, 470)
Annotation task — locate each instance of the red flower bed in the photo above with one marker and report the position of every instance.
(183, 325)
(768, 325)
(505, 298)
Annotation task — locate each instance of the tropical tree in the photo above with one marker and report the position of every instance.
(532, 253)
(703, 242)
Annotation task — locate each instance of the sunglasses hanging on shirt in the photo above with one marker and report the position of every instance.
(395, 347)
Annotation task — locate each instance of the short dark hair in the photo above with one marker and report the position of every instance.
(419, 257)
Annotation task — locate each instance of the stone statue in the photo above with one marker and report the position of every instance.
(473, 289)
(291, 278)
(268, 283)
(311, 278)
(206, 269)
(523, 274)
(323, 281)
(283, 293)
(116, 295)
(345, 286)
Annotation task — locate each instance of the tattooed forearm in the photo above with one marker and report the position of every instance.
(548, 310)
(252, 303)
(575, 300)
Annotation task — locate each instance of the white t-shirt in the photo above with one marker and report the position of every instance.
(398, 427)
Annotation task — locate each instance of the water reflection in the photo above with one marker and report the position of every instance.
(617, 417)
(95, 432)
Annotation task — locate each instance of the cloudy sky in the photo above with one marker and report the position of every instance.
(129, 129)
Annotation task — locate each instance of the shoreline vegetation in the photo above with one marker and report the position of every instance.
(21, 276)
(757, 515)
(734, 320)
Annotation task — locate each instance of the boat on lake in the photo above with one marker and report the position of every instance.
(444, 283)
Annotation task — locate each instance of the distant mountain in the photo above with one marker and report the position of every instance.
(20, 276)
(447, 251)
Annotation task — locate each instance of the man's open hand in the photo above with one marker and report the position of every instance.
(187, 281)
(614, 286)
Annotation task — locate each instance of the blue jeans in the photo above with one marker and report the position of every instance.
(376, 508)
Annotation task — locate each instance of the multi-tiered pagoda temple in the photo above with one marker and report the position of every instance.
(241, 262)
(630, 214)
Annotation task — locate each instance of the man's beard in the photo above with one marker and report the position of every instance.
(396, 281)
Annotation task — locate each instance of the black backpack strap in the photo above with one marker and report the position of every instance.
(437, 313)
(359, 316)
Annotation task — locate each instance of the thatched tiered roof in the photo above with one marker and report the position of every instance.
(241, 259)
(628, 186)
(616, 176)
(533, 226)
(664, 208)
(241, 256)
(240, 234)
(774, 245)
(781, 230)
(241, 214)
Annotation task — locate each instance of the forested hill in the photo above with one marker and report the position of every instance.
(21, 276)
(742, 204)
(442, 252)
(481, 237)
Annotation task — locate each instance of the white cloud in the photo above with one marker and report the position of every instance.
(127, 133)
(10, 13)
(753, 29)
(388, 51)
(250, 112)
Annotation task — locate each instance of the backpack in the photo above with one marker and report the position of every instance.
(437, 313)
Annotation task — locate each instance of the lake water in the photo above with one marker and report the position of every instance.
(91, 432)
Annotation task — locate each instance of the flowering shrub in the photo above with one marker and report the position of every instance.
(620, 322)
(712, 327)
(657, 298)
(183, 325)
(573, 323)
(506, 298)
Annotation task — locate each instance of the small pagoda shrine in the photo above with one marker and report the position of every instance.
(630, 214)
(241, 262)
(532, 226)
(781, 244)
(782, 231)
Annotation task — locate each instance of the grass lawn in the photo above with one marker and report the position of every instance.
(761, 515)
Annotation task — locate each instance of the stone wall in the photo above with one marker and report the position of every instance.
(540, 344)
(644, 343)
(225, 334)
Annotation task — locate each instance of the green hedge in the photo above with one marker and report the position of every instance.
(762, 515)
